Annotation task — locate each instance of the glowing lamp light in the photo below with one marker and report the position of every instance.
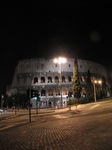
(63, 60)
(55, 60)
(95, 81)
(60, 60)
(99, 82)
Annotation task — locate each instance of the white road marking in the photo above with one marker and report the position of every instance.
(9, 126)
(92, 107)
(60, 116)
(6, 127)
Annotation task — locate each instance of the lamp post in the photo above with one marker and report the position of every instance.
(94, 82)
(94, 89)
(100, 82)
(29, 91)
(60, 60)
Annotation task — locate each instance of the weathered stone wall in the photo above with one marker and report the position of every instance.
(95, 68)
(43, 65)
(47, 65)
(28, 69)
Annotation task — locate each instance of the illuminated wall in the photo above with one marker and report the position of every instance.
(43, 75)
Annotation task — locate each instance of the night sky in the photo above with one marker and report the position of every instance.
(48, 29)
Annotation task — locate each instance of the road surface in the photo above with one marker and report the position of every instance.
(87, 127)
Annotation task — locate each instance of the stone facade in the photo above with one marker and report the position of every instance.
(44, 75)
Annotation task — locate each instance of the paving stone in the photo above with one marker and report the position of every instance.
(75, 133)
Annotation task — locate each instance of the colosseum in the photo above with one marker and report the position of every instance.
(43, 75)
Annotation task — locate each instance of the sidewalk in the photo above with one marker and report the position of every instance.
(45, 111)
(41, 112)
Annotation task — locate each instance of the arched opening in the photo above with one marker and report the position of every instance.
(83, 92)
(49, 79)
(91, 78)
(35, 80)
(50, 92)
(82, 79)
(65, 91)
(42, 79)
(63, 79)
(43, 92)
(56, 79)
(69, 79)
(57, 92)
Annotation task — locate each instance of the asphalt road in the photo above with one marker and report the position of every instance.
(87, 127)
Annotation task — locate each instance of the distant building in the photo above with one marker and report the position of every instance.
(43, 75)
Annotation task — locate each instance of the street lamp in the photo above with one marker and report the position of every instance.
(60, 60)
(94, 89)
(100, 82)
(94, 82)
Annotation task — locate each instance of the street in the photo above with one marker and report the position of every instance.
(85, 127)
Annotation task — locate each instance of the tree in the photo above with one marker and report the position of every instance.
(13, 100)
(89, 87)
(75, 81)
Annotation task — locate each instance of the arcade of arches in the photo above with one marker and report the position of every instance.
(51, 91)
(50, 80)
(56, 79)
(58, 92)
